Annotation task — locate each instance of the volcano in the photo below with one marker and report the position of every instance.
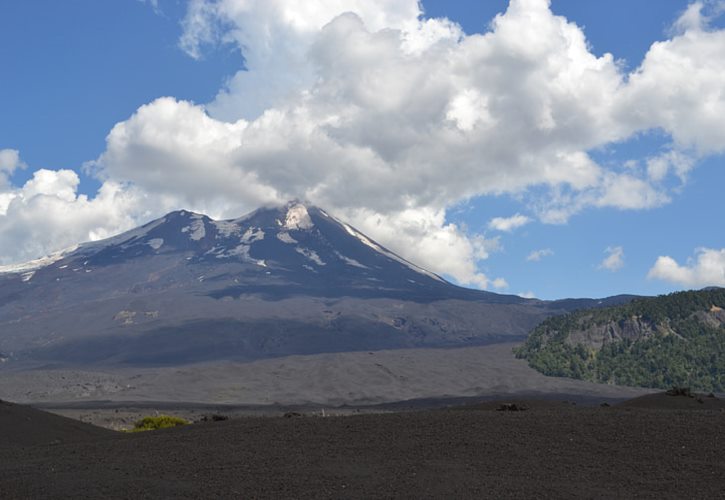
(283, 280)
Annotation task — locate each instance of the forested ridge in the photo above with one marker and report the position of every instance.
(659, 342)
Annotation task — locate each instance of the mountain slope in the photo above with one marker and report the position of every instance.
(278, 281)
(677, 339)
(283, 280)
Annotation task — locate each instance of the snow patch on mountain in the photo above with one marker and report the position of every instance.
(362, 238)
(350, 261)
(124, 239)
(297, 218)
(156, 243)
(225, 228)
(240, 251)
(36, 264)
(310, 254)
(286, 238)
(252, 234)
(197, 228)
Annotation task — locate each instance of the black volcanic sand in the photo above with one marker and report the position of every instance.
(120, 415)
(25, 426)
(682, 402)
(548, 451)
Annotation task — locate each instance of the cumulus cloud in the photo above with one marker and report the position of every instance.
(175, 150)
(46, 214)
(389, 119)
(274, 37)
(614, 261)
(678, 87)
(537, 255)
(707, 268)
(508, 224)
(424, 237)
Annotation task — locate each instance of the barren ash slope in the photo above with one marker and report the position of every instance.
(288, 280)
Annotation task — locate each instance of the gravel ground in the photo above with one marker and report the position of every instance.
(548, 451)
(333, 379)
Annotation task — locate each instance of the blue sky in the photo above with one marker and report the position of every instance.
(72, 70)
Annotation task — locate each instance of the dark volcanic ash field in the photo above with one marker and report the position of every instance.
(551, 450)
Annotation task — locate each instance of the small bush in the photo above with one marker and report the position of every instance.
(159, 422)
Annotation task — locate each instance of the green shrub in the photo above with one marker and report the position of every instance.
(159, 422)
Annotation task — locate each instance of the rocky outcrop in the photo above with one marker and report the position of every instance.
(634, 328)
(595, 336)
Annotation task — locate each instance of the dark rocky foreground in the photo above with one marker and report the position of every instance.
(553, 450)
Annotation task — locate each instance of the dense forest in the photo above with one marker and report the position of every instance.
(660, 342)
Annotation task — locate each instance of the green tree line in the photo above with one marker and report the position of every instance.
(683, 349)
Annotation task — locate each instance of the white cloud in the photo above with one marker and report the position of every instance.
(508, 224)
(614, 261)
(707, 268)
(274, 37)
(173, 149)
(379, 115)
(500, 284)
(698, 16)
(46, 214)
(527, 295)
(59, 183)
(9, 162)
(423, 236)
(678, 86)
(625, 191)
(537, 255)
(691, 19)
(660, 166)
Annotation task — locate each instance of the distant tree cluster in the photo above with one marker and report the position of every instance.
(682, 348)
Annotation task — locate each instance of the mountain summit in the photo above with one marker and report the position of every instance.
(282, 280)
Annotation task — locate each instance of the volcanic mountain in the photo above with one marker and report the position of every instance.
(278, 281)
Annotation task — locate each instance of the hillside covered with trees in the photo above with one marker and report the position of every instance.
(659, 342)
